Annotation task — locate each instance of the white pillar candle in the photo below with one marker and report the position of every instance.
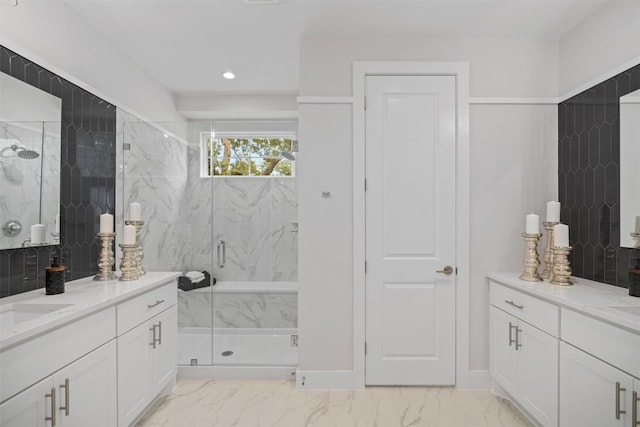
(532, 224)
(553, 211)
(638, 224)
(561, 236)
(135, 212)
(38, 234)
(129, 237)
(106, 223)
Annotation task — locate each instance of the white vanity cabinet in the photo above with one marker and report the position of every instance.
(79, 395)
(524, 358)
(599, 370)
(568, 356)
(593, 393)
(99, 362)
(147, 351)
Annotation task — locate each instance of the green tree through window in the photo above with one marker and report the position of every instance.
(247, 157)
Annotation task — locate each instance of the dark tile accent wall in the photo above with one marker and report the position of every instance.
(87, 185)
(589, 179)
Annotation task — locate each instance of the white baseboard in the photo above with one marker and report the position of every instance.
(237, 372)
(327, 380)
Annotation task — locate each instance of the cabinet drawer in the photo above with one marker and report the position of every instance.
(141, 308)
(32, 361)
(614, 345)
(534, 311)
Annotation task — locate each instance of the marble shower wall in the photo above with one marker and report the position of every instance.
(257, 219)
(237, 310)
(155, 175)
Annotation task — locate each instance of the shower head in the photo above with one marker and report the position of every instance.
(21, 152)
(287, 155)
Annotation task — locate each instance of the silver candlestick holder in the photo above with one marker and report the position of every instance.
(56, 237)
(561, 266)
(531, 260)
(139, 255)
(547, 273)
(106, 258)
(636, 237)
(128, 263)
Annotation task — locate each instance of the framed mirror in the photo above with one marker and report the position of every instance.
(30, 124)
(629, 166)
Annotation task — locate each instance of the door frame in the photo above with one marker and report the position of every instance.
(465, 377)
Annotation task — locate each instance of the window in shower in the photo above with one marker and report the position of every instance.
(247, 155)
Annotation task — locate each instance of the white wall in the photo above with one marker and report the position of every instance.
(601, 43)
(499, 67)
(513, 172)
(237, 106)
(54, 36)
(325, 245)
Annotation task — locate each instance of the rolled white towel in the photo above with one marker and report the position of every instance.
(195, 276)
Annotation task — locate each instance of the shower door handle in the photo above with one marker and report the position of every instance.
(222, 254)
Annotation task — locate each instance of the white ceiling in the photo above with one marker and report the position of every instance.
(186, 44)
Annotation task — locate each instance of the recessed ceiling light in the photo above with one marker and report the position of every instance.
(228, 75)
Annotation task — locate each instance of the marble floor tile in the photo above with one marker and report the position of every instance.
(249, 403)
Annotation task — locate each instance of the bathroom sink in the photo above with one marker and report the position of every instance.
(631, 309)
(13, 314)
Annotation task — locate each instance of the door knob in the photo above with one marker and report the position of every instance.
(447, 270)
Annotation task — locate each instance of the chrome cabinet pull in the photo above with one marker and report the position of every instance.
(518, 345)
(221, 253)
(511, 340)
(158, 302)
(514, 304)
(153, 340)
(159, 333)
(52, 418)
(65, 386)
(618, 410)
(634, 410)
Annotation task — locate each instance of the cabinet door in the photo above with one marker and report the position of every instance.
(591, 392)
(165, 358)
(635, 405)
(134, 373)
(538, 373)
(31, 407)
(86, 390)
(502, 349)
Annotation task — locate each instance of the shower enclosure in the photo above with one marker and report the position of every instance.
(220, 205)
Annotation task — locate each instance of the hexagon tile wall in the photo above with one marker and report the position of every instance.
(589, 179)
(87, 185)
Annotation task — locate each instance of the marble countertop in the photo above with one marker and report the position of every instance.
(81, 298)
(605, 302)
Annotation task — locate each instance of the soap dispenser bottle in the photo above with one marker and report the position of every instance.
(55, 278)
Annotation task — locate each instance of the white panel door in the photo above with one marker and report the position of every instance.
(33, 407)
(538, 373)
(165, 359)
(87, 392)
(503, 357)
(592, 393)
(410, 230)
(135, 370)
